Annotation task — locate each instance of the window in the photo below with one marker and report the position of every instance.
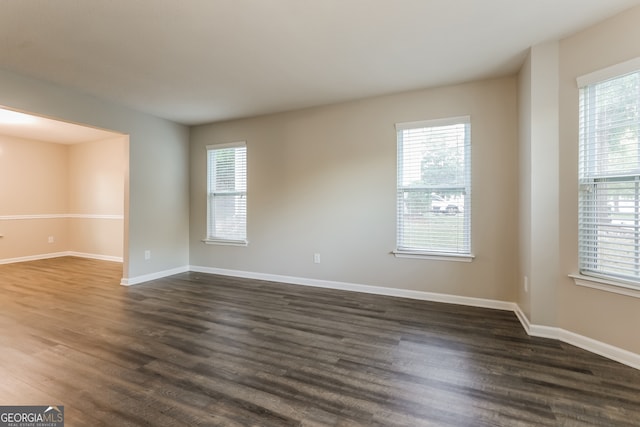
(434, 188)
(609, 177)
(227, 193)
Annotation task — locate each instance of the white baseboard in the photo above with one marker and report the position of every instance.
(535, 330)
(368, 289)
(594, 346)
(33, 257)
(603, 349)
(96, 256)
(153, 276)
(59, 255)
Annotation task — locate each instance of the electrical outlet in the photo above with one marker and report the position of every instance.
(526, 284)
(316, 258)
(147, 255)
(51, 239)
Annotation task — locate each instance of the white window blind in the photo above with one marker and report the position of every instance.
(434, 187)
(609, 178)
(227, 193)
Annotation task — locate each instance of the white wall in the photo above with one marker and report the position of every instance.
(156, 183)
(323, 180)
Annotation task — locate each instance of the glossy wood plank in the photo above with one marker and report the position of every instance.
(204, 350)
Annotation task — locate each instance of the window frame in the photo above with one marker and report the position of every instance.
(225, 240)
(433, 253)
(588, 188)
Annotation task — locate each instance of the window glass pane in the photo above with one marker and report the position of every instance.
(433, 221)
(228, 216)
(609, 242)
(434, 187)
(227, 183)
(609, 171)
(611, 120)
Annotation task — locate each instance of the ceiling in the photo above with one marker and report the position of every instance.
(200, 61)
(27, 126)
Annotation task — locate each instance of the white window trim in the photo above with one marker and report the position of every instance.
(227, 145)
(225, 242)
(437, 256)
(616, 70)
(608, 283)
(621, 287)
(433, 122)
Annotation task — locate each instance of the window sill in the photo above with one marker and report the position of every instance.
(438, 256)
(224, 242)
(607, 285)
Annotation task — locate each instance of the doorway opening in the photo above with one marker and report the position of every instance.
(64, 189)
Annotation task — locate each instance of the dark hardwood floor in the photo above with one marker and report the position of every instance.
(200, 350)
